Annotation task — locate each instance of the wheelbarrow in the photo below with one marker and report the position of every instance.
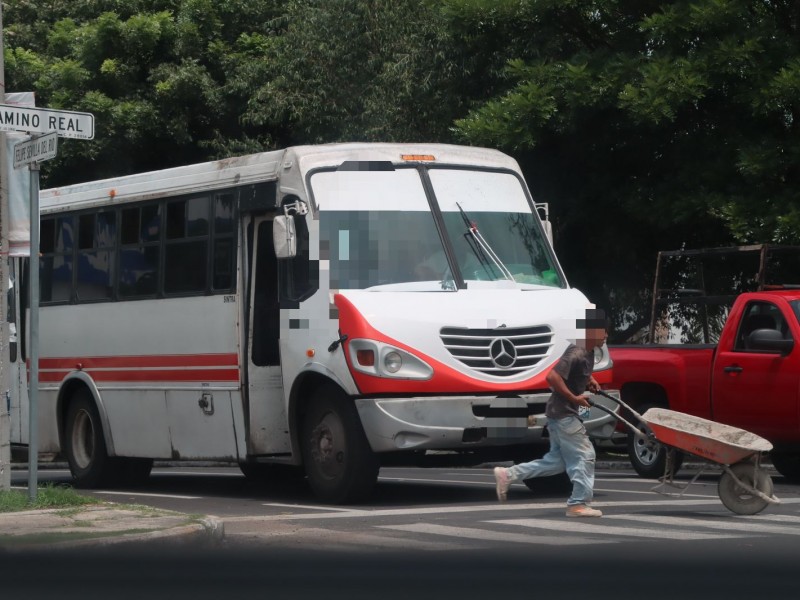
(744, 487)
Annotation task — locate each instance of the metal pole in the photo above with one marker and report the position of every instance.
(33, 394)
(5, 417)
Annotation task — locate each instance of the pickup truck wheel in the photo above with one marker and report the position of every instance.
(787, 464)
(648, 457)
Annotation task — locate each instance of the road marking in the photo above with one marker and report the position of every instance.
(435, 481)
(775, 518)
(492, 536)
(167, 471)
(649, 493)
(570, 525)
(724, 523)
(175, 496)
(306, 506)
(476, 508)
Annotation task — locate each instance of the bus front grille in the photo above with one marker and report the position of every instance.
(504, 352)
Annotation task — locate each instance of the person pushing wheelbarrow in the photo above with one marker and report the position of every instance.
(571, 450)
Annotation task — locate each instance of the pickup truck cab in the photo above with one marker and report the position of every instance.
(750, 379)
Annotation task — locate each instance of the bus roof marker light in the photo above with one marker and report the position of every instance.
(418, 157)
(112, 193)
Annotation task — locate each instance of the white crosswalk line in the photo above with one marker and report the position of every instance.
(592, 528)
(493, 536)
(473, 508)
(648, 493)
(723, 523)
(776, 518)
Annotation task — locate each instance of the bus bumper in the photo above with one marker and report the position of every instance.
(453, 423)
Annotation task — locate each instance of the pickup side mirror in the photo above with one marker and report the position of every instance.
(284, 236)
(769, 340)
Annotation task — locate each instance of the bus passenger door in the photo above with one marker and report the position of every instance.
(268, 427)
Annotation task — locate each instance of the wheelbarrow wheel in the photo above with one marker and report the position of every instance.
(739, 500)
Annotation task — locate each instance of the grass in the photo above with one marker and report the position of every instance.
(48, 496)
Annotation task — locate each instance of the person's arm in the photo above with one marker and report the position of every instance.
(560, 387)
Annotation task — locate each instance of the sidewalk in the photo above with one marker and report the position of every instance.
(103, 525)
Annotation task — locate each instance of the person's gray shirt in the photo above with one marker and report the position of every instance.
(575, 367)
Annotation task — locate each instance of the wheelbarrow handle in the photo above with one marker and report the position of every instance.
(645, 428)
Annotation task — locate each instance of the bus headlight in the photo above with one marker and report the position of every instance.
(602, 358)
(390, 362)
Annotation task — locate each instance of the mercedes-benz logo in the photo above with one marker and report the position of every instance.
(503, 353)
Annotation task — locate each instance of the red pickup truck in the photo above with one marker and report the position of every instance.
(750, 379)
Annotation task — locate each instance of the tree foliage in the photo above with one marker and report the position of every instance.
(649, 125)
(646, 124)
(153, 72)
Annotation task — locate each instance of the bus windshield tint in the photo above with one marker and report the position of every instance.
(377, 230)
(493, 231)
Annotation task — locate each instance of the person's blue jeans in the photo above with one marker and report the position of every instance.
(570, 451)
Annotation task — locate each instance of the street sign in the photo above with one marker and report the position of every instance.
(35, 149)
(64, 123)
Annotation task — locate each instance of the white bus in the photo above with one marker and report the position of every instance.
(333, 306)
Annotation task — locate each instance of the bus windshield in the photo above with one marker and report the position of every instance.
(377, 230)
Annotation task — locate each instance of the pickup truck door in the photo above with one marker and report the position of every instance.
(755, 390)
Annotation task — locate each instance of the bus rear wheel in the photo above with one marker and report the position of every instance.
(85, 445)
(339, 462)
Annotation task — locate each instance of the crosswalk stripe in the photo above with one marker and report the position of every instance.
(648, 493)
(775, 518)
(492, 536)
(572, 526)
(491, 508)
(711, 522)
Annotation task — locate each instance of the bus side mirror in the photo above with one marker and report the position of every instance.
(284, 236)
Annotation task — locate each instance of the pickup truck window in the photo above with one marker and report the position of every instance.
(795, 304)
(760, 315)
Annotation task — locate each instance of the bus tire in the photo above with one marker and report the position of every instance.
(339, 463)
(85, 445)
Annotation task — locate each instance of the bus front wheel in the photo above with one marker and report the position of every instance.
(339, 462)
(85, 446)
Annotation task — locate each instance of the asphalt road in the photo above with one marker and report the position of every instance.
(446, 527)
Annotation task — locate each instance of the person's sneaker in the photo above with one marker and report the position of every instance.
(581, 510)
(501, 477)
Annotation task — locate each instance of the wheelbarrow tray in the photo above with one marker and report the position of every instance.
(716, 442)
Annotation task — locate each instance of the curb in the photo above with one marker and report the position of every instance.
(208, 532)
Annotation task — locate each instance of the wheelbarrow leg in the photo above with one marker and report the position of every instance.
(668, 481)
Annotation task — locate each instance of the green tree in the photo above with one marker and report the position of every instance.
(153, 72)
(647, 124)
(356, 70)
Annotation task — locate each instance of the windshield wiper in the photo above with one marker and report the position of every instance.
(481, 247)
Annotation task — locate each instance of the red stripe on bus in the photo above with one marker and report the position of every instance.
(140, 362)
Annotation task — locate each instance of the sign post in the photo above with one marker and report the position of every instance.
(31, 153)
(54, 124)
